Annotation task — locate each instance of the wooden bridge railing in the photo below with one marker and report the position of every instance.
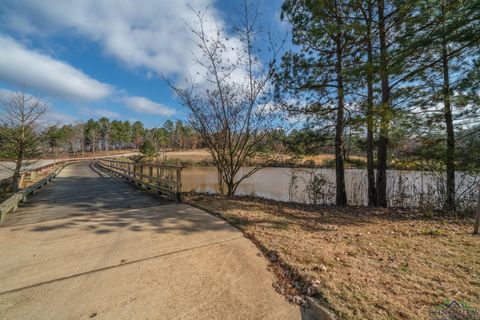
(166, 179)
(11, 203)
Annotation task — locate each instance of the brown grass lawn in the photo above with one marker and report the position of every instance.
(365, 263)
(203, 156)
(193, 156)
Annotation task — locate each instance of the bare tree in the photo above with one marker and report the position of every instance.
(231, 108)
(21, 130)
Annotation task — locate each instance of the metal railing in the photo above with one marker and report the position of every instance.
(166, 179)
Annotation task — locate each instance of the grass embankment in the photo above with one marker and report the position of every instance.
(202, 157)
(365, 263)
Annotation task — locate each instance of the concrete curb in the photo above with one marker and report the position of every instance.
(319, 311)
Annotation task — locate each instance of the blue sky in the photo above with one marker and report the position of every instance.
(96, 58)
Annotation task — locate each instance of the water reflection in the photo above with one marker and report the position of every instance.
(404, 188)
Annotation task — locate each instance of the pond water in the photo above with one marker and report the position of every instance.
(305, 185)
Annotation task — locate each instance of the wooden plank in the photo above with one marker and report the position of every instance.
(172, 166)
(134, 175)
(135, 172)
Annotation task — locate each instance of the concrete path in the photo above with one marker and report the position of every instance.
(90, 246)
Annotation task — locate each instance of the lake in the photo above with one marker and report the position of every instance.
(305, 185)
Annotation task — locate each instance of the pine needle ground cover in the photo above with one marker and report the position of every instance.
(364, 263)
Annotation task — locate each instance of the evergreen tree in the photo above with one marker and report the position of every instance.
(316, 74)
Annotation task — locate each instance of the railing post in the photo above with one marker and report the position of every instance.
(167, 179)
(21, 181)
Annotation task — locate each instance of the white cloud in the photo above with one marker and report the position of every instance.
(144, 105)
(152, 35)
(55, 117)
(105, 113)
(148, 34)
(21, 66)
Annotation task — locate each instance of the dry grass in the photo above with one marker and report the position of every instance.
(202, 156)
(367, 263)
(194, 156)
(323, 159)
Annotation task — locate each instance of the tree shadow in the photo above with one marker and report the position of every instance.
(281, 215)
(102, 205)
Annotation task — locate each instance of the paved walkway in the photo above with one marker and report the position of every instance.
(91, 246)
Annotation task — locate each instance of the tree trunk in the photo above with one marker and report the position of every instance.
(372, 192)
(450, 154)
(384, 111)
(477, 216)
(341, 194)
(220, 182)
(16, 172)
(230, 190)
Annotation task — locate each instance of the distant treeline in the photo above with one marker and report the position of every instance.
(407, 152)
(103, 134)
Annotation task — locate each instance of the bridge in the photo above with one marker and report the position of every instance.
(91, 245)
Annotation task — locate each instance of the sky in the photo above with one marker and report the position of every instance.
(94, 58)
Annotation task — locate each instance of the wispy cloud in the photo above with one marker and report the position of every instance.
(55, 117)
(144, 105)
(21, 66)
(105, 113)
(149, 34)
(40, 72)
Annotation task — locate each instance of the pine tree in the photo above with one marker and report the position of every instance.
(316, 74)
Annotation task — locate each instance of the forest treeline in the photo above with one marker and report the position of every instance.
(406, 153)
(103, 134)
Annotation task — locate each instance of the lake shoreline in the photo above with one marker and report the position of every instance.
(406, 189)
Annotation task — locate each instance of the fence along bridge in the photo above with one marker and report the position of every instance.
(166, 179)
(91, 243)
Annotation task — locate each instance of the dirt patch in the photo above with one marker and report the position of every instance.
(365, 263)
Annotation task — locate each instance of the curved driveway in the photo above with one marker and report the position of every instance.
(92, 246)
